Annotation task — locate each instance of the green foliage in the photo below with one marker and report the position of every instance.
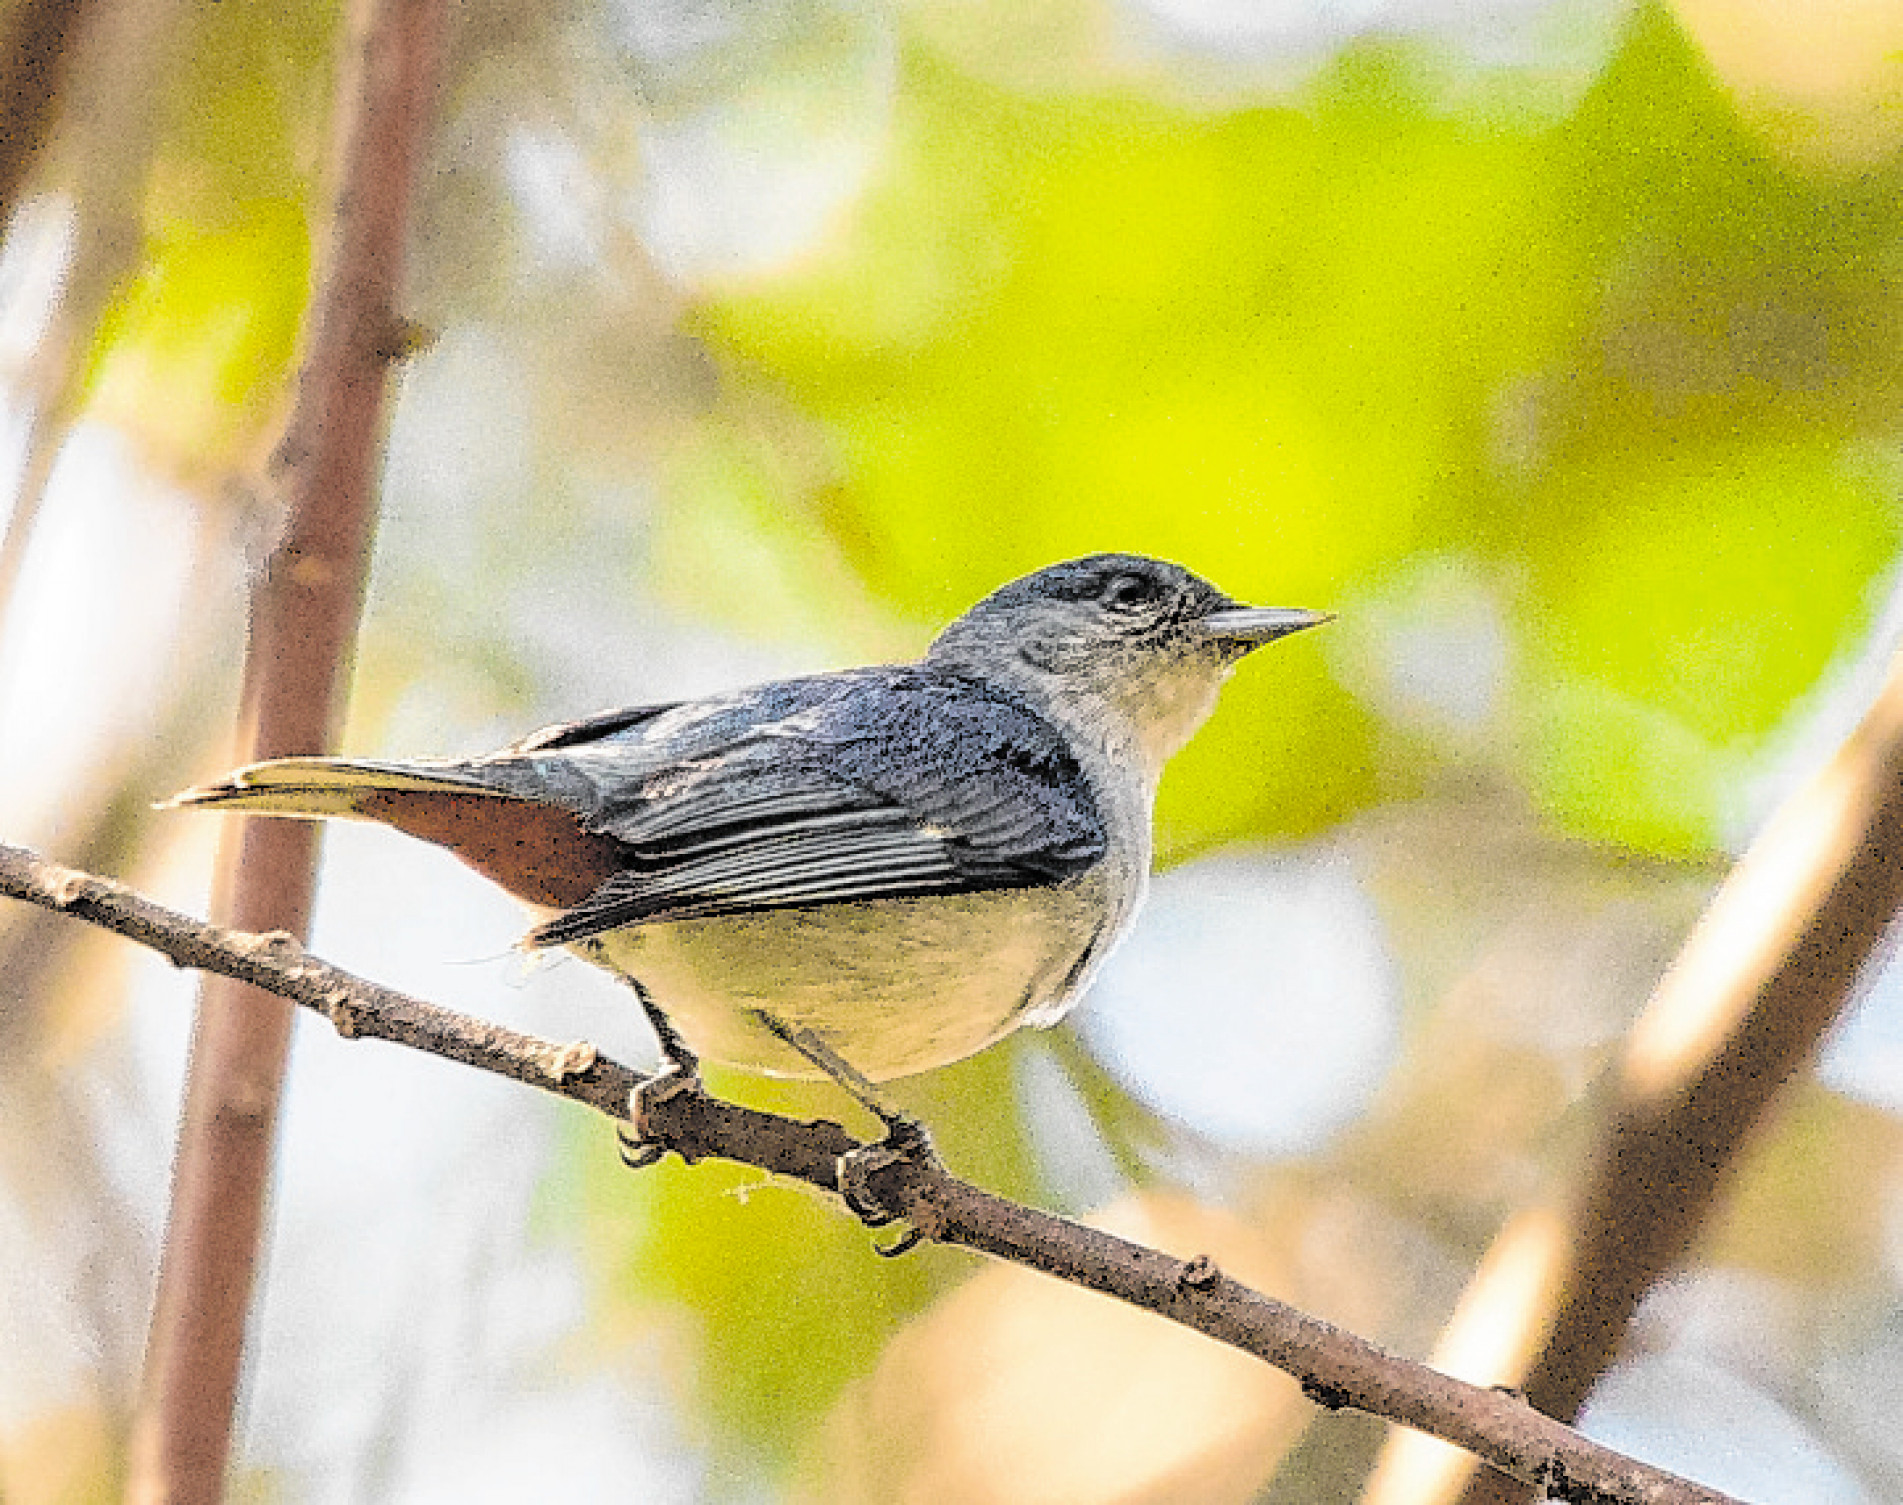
(194, 354)
(1699, 593)
(785, 1295)
(1617, 360)
(784, 1292)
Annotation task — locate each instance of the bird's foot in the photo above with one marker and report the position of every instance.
(906, 1140)
(639, 1147)
(680, 1074)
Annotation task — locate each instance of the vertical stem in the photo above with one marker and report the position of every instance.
(305, 608)
(33, 51)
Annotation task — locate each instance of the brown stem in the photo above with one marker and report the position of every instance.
(34, 48)
(1336, 1368)
(305, 608)
(1772, 964)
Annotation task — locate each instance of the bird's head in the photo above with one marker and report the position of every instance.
(1133, 648)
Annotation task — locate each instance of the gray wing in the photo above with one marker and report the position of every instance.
(879, 784)
(588, 729)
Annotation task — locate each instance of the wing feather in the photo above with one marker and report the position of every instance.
(879, 784)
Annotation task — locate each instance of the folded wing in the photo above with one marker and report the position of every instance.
(882, 784)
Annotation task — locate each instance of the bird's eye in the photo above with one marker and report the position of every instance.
(1129, 592)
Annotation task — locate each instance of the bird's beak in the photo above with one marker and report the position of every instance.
(1248, 627)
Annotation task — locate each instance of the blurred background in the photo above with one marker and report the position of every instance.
(1555, 344)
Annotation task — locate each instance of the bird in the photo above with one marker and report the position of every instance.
(903, 862)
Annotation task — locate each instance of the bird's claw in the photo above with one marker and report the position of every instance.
(639, 1148)
(906, 1142)
(905, 1243)
(637, 1154)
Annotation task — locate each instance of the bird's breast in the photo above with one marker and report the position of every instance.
(895, 986)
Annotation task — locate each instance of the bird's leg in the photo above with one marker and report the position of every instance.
(681, 1073)
(906, 1139)
(847, 1077)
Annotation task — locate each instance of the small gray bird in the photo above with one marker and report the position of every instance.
(907, 862)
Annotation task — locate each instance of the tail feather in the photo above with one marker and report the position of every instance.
(535, 847)
(323, 786)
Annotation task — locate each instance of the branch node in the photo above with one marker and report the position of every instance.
(70, 887)
(1328, 1397)
(341, 1011)
(402, 339)
(572, 1060)
(1551, 1481)
(1198, 1274)
(278, 946)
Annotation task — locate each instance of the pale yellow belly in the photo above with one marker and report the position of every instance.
(895, 986)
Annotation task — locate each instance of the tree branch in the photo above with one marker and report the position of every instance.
(34, 49)
(304, 609)
(1336, 1368)
(1772, 964)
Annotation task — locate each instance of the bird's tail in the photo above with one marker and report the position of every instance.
(522, 838)
(348, 787)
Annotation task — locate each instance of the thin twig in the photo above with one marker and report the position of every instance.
(1335, 1368)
